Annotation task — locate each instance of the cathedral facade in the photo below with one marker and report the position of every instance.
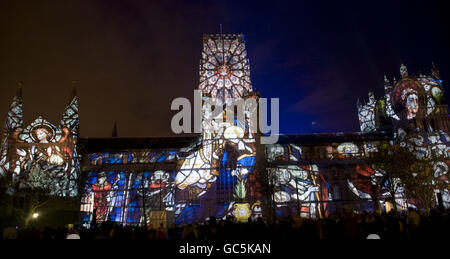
(225, 170)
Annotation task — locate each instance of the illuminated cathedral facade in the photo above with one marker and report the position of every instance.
(225, 170)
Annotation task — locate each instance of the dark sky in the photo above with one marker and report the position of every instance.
(132, 58)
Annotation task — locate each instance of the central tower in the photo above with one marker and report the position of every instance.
(224, 67)
(220, 179)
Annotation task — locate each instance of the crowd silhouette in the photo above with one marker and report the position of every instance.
(406, 225)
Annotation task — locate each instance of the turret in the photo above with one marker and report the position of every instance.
(14, 118)
(403, 71)
(115, 133)
(387, 85)
(70, 116)
(14, 121)
(435, 71)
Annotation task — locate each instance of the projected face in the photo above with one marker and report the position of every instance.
(406, 97)
(102, 179)
(412, 104)
(411, 101)
(42, 135)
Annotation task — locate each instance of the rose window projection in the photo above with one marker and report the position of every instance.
(224, 67)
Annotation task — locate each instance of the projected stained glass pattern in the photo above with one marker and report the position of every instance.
(126, 197)
(435, 148)
(224, 67)
(366, 115)
(43, 155)
(13, 125)
(134, 157)
(223, 170)
(220, 179)
(298, 188)
(302, 187)
(412, 97)
(130, 196)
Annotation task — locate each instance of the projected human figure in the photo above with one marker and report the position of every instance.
(43, 135)
(54, 154)
(102, 196)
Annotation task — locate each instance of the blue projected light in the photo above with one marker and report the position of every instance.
(92, 179)
(113, 160)
(86, 217)
(162, 158)
(226, 180)
(115, 214)
(287, 189)
(188, 215)
(247, 161)
(224, 158)
(222, 209)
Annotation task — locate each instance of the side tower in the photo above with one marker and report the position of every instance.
(417, 111)
(41, 155)
(13, 125)
(410, 104)
(418, 103)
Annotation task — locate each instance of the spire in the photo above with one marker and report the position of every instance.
(371, 97)
(387, 84)
(435, 71)
(386, 80)
(14, 121)
(74, 89)
(70, 115)
(403, 70)
(14, 118)
(114, 133)
(19, 89)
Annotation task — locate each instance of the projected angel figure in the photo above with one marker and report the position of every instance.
(46, 157)
(54, 155)
(201, 168)
(43, 135)
(228, 150)
(225, 146)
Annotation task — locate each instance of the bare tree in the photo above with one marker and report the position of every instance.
(403, 170)
(20, 205)
(395, 165)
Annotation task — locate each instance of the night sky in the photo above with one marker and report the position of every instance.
(132, 58)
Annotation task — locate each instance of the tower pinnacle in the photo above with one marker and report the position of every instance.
(403, 70)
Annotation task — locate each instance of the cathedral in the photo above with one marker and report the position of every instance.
(227, 171)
